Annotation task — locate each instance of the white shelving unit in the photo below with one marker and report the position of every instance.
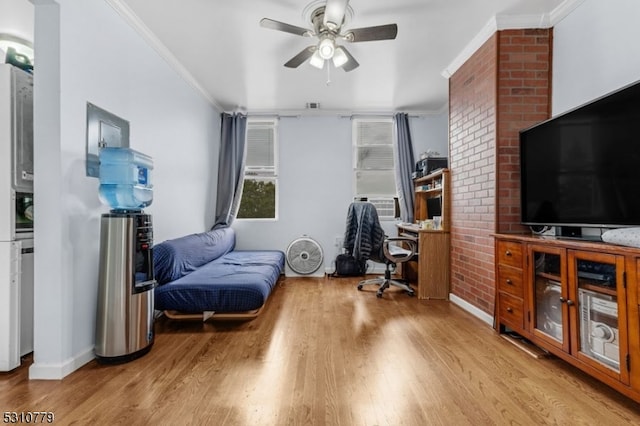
(16, 234)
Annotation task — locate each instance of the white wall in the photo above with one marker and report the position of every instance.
(315, 181)
(595, 51)
(430, 132)
(86, 53)
(16, 19)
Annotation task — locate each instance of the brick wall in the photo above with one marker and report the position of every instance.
(524, 98)
(502, 88)
(472, 139)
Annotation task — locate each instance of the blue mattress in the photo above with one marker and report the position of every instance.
(240, 280)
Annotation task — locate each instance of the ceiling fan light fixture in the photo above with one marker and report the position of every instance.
(326, 48)
(327, 18)
(339, 57)
(317, 60)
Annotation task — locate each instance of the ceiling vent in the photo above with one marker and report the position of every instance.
(313, 105)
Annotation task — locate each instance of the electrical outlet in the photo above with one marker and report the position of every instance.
(339, 241)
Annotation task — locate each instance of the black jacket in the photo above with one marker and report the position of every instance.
(364, 236)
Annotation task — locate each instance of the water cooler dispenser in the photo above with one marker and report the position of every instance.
(125, 314)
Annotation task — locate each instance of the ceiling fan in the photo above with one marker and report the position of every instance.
(327, 22)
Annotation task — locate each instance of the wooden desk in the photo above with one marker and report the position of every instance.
(431, 270)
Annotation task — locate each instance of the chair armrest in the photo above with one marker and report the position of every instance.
(399, 254)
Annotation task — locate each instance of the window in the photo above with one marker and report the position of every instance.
(373, 169)
(259, 192)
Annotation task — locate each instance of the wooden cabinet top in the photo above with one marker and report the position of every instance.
(569, 243)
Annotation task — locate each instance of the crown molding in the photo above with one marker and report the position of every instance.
(563, 10)
(510, 22)
(136, 23)
(476, 42)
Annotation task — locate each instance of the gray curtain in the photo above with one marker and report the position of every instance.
(405, 165)
(230, 168)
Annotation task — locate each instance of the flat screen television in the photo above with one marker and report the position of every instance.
(582, 168)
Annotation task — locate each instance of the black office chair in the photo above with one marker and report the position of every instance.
(365, 240)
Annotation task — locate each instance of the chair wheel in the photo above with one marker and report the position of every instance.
(379, 295)
(411, 293)
(359, 286)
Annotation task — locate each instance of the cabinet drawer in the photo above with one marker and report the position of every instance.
(511, 310)
(510, 253)
(510, 280)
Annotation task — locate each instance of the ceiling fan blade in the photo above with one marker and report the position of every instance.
(297, 60)
(351, 63)
(380, 32)
(334, 13)
(287, 28)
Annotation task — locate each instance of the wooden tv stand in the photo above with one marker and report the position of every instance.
(578, 300)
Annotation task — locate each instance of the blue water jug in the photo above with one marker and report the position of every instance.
(125, 178)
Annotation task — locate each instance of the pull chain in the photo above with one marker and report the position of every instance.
(328, 73)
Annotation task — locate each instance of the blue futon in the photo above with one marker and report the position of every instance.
(202, 275)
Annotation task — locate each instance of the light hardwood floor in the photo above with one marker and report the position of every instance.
(323, 353)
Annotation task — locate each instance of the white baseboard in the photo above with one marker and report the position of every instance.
(480, 314)
(45, 371)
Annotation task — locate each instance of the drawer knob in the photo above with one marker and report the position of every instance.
(509, 281)
(507, 253)
(510, 310)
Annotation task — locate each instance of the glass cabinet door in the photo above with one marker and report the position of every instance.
(548, 308)
(597, 286)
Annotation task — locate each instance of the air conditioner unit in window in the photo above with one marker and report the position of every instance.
(387, 207)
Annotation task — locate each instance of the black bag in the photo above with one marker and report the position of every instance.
(348, 266)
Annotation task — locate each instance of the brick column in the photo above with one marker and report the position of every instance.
(503, 88)
(524, 99)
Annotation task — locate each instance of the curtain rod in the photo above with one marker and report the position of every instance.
(328, 114)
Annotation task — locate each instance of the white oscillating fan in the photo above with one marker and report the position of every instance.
(304, 255)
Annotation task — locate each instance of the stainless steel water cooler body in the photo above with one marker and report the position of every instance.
(125, 314)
